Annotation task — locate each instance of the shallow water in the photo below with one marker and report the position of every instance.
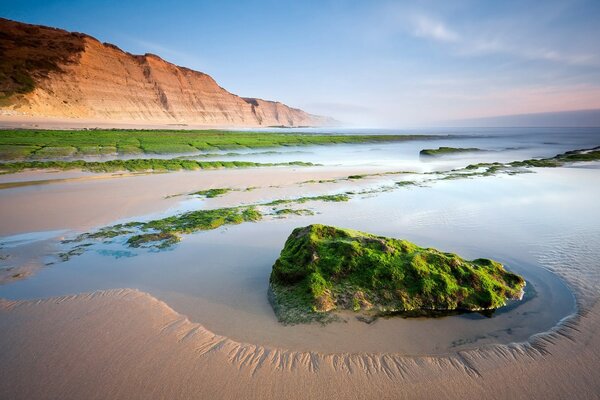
(505, 218)
(530, 222)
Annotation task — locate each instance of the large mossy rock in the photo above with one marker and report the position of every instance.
(324, 268)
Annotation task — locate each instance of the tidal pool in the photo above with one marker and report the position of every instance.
(543, 226)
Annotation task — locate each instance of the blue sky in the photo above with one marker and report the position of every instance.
(369, 63)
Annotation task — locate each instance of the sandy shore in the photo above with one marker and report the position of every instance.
(97, 199)
(125, 344)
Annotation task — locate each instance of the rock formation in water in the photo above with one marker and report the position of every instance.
(323, 268)
(48, 72)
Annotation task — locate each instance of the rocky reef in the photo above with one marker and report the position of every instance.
(322, 269)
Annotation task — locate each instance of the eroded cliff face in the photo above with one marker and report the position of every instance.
(54, 73)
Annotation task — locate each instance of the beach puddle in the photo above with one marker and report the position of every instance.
(220, 278)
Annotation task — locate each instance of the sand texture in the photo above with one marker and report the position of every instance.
(125, 344)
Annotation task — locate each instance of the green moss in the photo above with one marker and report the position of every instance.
(583, 155)
(54, 152)
(16, 152)
(203, 220)
(179, 141)
(323, 268)
(406, 183)
(165, 232)
(292, 211)
(96, 150)
(300, 200)
(158, 231)
(447, 150)
(160, 240)
(75, 251)
(138, 165)
(212, 193)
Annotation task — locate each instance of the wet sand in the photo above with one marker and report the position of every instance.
(125, 344)
(86, 201)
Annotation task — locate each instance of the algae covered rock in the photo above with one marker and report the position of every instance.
(324, 268)
(440, 151)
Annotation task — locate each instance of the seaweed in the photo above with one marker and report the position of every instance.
(212, 193)
(447, 150)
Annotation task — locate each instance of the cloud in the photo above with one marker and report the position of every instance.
(512, 38)
(482, 46)
(427, 27)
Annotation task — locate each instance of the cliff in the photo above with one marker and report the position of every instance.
(48, 72)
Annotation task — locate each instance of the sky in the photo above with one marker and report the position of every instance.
(366, 63)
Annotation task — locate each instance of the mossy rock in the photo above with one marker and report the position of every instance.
(447, 150)
(322, 269)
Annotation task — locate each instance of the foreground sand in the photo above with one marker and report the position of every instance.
(125, 344)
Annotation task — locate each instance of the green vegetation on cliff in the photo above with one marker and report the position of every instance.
(30, 53)
(323, 268)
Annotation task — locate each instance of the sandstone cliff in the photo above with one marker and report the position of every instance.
(47, 72)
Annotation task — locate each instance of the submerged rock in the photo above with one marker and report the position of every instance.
(324, 268)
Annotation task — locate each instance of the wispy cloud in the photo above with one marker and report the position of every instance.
(427, 27)
(513, 38)
(483, 46)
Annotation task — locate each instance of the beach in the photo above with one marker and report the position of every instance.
(194, 320)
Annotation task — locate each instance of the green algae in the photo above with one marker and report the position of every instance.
(200, 220)
(212, 193)
(406, 183)
(447, 150)
(559, 160)
(138, 165)
(326, 198)
(166, 232)
(26, 143)
(282, 212)
(323, 268)
(159, 240)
